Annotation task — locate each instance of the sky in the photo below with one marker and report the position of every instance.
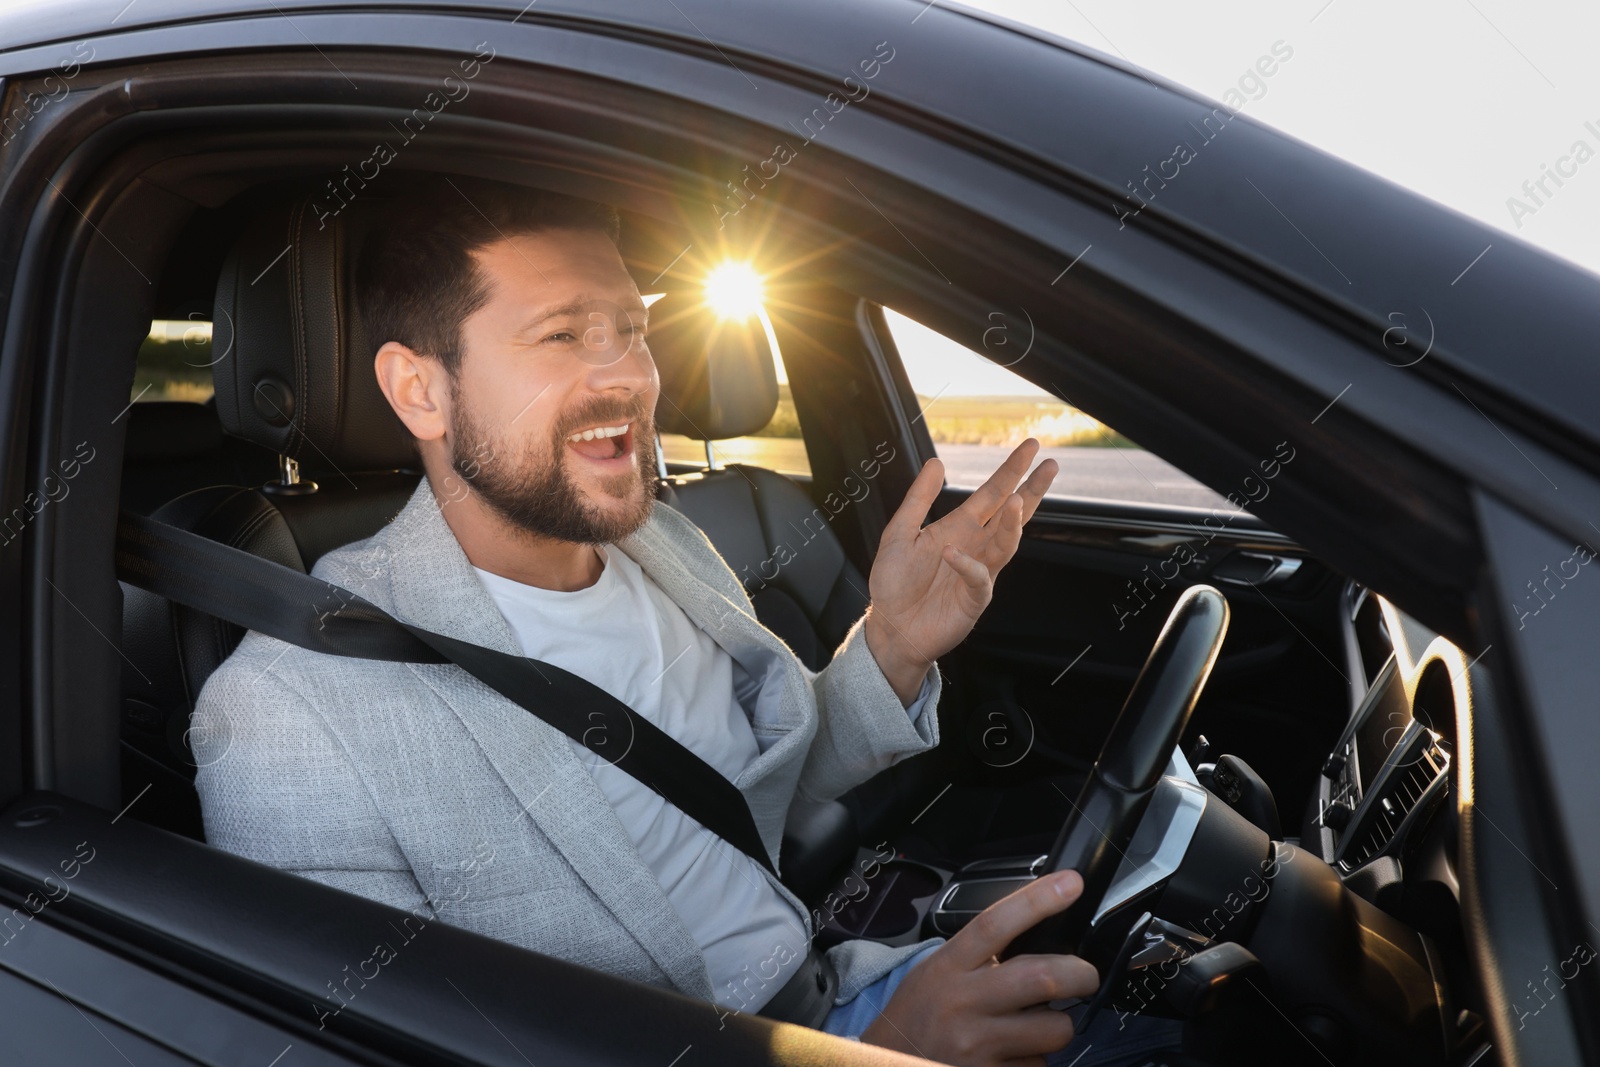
(1460, 100)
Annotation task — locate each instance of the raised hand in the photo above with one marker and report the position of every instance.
(930, 583)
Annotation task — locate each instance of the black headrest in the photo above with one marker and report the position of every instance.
(293, 368)
(717, 377)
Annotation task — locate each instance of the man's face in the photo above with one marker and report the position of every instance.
(552, 415)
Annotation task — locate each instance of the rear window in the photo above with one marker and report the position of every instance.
(174, 362)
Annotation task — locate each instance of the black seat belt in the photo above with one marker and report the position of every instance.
(258, 594)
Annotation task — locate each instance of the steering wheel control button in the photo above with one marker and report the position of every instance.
(1246, 792)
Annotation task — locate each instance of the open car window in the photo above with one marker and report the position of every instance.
(977, 410)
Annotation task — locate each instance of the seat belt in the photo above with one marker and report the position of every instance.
(258, 594)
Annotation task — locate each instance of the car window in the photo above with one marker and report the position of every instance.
(777, 445)
(977, 410)
(174, 362)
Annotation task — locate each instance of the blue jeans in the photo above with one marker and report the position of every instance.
(1110, 1041)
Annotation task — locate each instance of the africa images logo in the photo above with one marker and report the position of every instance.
(1566, 166)
(1251, 86)
(854, 89)
(452, 90)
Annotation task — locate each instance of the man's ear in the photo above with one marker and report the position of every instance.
(416, 387)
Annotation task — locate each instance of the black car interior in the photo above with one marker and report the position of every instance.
(298, 453)
(1318, 751)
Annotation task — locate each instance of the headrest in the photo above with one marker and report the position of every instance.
(294, 372)
(717, 377)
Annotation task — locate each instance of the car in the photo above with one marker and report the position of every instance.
(1352, 791)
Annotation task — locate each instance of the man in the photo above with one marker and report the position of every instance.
(513, 347)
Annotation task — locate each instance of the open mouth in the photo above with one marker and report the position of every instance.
(603, 444)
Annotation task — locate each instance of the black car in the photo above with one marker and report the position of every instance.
(1377, 439)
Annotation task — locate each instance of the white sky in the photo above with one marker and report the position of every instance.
(1459, 100)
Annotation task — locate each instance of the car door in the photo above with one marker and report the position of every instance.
(1205, 328)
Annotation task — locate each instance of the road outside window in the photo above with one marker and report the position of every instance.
(977, 411)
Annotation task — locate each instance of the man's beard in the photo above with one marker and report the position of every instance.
(532, 490)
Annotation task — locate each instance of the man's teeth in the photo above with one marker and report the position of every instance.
(603, 431)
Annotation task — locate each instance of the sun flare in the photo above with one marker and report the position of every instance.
(734, 290)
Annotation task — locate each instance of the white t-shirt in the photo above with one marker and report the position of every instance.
(624, 634)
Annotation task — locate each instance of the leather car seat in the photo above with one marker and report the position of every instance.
(718, 381)
(292, 374)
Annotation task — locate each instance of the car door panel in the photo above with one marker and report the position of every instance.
(44, 1029)
(1080, 605)
(65, 999)
(221, 960)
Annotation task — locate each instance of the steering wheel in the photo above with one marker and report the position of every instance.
(1108, 809)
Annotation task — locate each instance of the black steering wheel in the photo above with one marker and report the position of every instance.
(1108, 809)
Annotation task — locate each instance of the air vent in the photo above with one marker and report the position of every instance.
(1389, 807)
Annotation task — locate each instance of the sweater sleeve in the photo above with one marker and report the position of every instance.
(862, 726)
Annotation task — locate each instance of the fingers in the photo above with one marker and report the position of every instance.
(1032, 490)
(1037, 485)
(973, 573)
(987, 498)
(1005, 534)
(999, 924)
(908, 517)
(1028, 980)
(1005, 526)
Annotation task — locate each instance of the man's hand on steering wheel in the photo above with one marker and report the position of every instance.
(961, 1006)
(930, 583)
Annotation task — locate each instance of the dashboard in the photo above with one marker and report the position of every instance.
(1366, 949)
(1381, 806)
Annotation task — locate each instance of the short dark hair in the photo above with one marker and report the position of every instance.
(417, 281)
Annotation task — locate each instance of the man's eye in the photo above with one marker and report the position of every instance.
(562, 336)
